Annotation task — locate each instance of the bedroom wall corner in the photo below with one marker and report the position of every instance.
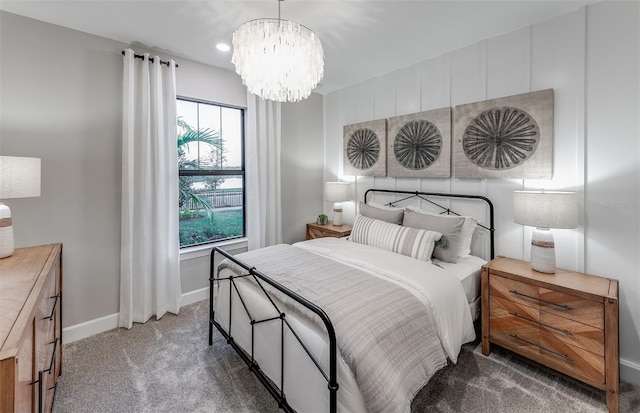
(302, 162)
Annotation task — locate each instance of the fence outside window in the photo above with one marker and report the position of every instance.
(217, 199)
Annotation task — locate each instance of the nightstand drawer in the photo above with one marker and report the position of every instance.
(569, 306)
(515, 291)
(555, 352)
(578, 360)
(571, 332)
(508, 315)
(547, 300)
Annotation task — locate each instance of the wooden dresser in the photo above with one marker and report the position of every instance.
(319, 231)
(30, 328)
(567, 321)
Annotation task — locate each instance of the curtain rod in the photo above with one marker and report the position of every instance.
(139, 56)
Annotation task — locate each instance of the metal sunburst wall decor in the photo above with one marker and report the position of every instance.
(420, 145)
(510, 137)
(365, 148)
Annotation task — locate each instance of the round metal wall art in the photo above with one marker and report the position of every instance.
(417, 144)
(363, 149)
(501, 138)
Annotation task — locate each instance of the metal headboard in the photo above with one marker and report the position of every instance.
(445, 210)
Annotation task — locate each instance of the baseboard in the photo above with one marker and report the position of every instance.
(89, 328)
(629, 372)
(195, 296)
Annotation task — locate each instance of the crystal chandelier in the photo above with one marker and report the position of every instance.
(278, 59)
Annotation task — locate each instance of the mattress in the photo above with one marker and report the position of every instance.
(467, 270)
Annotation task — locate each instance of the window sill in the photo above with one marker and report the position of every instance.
(205, 250)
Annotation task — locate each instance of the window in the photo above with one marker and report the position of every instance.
(211, 172)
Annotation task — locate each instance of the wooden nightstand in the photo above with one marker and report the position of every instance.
(318, 231)
(567, 321)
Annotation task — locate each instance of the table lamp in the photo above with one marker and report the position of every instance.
(19, 178)
(337, 192)
(544, 210)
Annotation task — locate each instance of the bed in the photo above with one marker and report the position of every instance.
(357, 324)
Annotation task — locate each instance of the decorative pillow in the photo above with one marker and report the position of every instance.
(466, 235)
(450, 226)
(412, 242)
(469, 227)
(387, 214)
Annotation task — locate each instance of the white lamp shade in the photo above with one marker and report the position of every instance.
(19, 177)
(543, 209)
(338, 191)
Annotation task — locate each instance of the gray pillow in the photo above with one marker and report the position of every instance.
(388, 215)
(450, 226)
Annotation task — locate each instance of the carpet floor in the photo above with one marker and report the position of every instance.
(167, 366)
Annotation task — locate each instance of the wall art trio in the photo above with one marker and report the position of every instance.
(509, 137)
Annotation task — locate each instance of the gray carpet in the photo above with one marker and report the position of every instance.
(167, 366)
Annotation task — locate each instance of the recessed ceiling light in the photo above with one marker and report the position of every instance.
(223, 47)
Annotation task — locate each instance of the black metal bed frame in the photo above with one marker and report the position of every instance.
(445, 210)
(259, 277)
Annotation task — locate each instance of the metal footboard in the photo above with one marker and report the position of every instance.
(248, 357)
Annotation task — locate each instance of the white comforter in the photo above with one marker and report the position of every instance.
(437, 289)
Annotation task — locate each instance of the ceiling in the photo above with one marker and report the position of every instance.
(361, 39)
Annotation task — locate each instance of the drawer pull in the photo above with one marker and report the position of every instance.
(567, 332)
(563, 306)
(564, 356)
(53, 355)
(53, 310)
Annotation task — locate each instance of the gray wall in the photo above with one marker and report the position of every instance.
(302, 163)
(591, 59)
(61, 100)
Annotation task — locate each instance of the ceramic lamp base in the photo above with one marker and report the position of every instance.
(6, 232)
(543, 251)
(337, 214)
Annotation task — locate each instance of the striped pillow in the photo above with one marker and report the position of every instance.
(412, 242)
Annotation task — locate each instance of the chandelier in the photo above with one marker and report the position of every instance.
(278, 59)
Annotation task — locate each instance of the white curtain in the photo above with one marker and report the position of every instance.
(264, 212)
(149, 259)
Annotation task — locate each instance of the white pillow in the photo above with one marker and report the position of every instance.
(468, 228)
(466, 235)
(412, 242)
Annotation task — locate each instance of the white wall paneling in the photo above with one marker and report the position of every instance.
(508, 73)
(612, 194)
(590, 58)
